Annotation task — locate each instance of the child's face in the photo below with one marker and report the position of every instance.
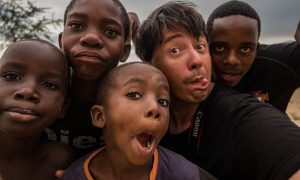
(136, 113)
(33, 84)
(93, 38)
(186, 63)
(234, 42)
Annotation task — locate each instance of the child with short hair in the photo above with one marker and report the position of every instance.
(240, 62)
(133, 110)
(94, 40)
(33, 84)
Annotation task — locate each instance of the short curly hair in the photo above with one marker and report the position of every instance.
(233, 8)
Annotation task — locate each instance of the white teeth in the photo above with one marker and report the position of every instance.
(148, 144)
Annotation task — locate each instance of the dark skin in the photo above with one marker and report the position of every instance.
(33, 98)
(144, 90)
(134, 25)
(93, 41)
(233, 47)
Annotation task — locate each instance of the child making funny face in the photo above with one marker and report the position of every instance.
(133, 110)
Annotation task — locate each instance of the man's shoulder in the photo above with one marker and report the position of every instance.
(223, 94)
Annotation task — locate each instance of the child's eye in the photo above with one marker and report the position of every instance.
(218, 48)
(134, 95)
(245, 49)
(11, 76)
(49, 85)
(76, 26)
(163, 102)
(110, 33)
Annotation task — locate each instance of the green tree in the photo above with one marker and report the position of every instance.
(20, 20)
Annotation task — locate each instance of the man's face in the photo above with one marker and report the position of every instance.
(185, 61)
(233, 46)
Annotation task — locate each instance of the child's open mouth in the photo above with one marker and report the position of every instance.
(145, 140)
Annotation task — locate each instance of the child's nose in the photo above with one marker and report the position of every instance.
(27, 94)
(152, 111)
(91, 39)
(231, 59)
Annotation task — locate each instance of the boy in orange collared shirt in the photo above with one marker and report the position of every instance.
(133, 110)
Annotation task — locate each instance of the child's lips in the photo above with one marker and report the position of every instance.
(228, 76)
(89, 56)
(22, 114)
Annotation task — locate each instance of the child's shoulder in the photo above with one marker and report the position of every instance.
(171, 164)
(174, 166)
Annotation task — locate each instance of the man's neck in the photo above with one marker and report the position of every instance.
(181, 116)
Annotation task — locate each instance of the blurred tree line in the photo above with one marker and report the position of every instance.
(22, 20)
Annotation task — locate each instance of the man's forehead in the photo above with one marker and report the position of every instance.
(172, 34)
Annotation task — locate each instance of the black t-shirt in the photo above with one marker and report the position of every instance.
(76, 129)
(234, 136)
(274, 75)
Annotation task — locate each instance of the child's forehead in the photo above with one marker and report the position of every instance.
(34, 52)
(137, 71)
(32, 49)
(92, 5)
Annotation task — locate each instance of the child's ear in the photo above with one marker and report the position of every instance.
(257, 47)
(127, 50)
(59, 40)
(97, 115)
(64, 108)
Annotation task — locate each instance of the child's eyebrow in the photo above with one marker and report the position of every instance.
(9, 64)
(248, 44)
(164, 86)
(52, 73)
(113, 21)
(107, 20)
(77, 15)
(135, 80)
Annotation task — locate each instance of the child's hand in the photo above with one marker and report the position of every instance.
(59, 174)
